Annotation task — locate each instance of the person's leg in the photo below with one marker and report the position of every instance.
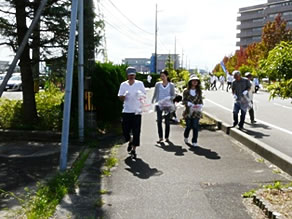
(236, 109)
(242, 118)
(126, 126)
(188, 128)
(136, 130)
(196, 126)
(251, 114)
(159, 122)
(167, 126)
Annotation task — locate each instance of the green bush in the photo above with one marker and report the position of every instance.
(11, 113)
(106, 80)
(49, 109)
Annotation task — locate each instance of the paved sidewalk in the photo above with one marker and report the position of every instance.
(176, 181)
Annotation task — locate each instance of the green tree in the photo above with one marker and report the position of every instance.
(275, 32)
(278, 67)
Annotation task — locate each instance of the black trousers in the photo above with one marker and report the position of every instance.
(159, 123)
(228, 86)
(131, 124)
(251, 114)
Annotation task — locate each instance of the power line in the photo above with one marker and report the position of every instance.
(129, 36)
(126, 27)
(129, 18)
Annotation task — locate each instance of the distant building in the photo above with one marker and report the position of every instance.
(4, 65)
(252, 19)
(141, 64)
(162, 59)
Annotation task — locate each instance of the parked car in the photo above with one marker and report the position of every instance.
(2, 76)
(14, 83)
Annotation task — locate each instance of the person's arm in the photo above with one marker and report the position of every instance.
(172, 91)
(122, 93)
(155, 93)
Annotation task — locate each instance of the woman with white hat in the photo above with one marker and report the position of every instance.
(193, 101)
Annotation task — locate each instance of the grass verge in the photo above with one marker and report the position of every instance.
(41, 204)
(111, 161)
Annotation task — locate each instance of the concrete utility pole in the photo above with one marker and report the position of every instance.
(182, 59)
(68, 88)
(175, 57)
(155, 59)
(81, 71)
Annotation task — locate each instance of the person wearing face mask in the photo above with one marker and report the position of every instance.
(129, 94)
(193, 101)
(164, 90)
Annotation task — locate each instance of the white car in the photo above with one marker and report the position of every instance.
(14, 83)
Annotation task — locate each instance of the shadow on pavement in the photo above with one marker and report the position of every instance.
(259, 125)
(208, 153)
(170, 147)
(254, 133)
(141, 169)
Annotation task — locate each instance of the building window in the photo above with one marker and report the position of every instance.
(256, 29)
(258, 20)
(289, 23)
(272, 15)
(275, 5)
(257, 38)
(287, 13)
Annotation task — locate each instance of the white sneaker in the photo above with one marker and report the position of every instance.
(195, 144)
(186, 140)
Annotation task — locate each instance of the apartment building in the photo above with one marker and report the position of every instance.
(252, 19)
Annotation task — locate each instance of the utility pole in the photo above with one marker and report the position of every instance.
(175, 58)
(155, 59)
(182, 59)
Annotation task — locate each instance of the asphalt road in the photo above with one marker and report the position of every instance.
(274, 117)
(13, 95)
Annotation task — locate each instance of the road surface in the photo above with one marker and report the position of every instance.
(274, 117)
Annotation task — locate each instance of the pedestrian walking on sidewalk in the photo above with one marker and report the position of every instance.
(252, 90)
(229, 81)
(214, 80)
(193, 101)
(222, 82)
(130, 92)
(240, 89)
(164, 92)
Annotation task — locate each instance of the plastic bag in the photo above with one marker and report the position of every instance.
(166, 105)
(142, 105)
(245, 103)
(195, 108)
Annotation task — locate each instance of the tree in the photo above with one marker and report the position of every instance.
(275, 32)
(278, 67)
(29, 104)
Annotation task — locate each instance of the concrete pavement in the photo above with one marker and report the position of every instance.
(176, 181)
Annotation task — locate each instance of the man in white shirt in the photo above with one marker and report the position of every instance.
(222, 81)
(130, 92)
(229, 81)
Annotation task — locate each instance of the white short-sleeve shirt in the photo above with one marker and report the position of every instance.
(131, 92)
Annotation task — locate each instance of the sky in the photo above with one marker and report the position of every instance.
(205, 30)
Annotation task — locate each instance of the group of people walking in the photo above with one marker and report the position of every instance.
(131, 90)
(164, 90)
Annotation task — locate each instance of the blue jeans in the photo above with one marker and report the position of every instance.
(192, 124)
(237, 107)
(159, 123)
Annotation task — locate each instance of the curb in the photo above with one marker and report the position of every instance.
(269, 153)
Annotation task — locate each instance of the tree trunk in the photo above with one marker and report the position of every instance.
(36, 47)
(29, 104)
(89, 48)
